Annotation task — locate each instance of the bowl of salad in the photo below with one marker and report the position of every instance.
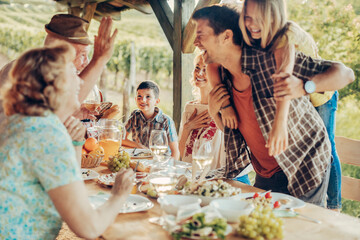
(201, 226)
(208, 191)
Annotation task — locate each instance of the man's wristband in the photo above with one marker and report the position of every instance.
(78, 143)
(229, 105)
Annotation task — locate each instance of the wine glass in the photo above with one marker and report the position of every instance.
(202, 157)
(163, 179)
(158, 144)
(92, 101)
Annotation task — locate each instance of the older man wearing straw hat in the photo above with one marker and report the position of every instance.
(72, 29)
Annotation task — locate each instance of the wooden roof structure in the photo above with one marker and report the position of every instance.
(179, 31)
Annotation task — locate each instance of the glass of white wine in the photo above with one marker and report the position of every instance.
(202, 156)
(158, 144)
(163, 179)
(92, 101)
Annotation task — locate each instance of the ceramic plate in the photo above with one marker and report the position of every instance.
(285, 200)
(88, 174)
(134, 203)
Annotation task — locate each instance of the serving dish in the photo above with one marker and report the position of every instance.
(286, 201)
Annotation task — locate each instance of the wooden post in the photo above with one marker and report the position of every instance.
(76, 11)
(132, 75)
(173, 25)
(183, 64)
(128, 83)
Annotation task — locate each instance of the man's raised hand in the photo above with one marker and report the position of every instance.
(104, 41)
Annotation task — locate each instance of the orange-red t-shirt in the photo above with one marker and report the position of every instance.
(263, 164)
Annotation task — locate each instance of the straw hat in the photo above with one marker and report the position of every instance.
(70, 28)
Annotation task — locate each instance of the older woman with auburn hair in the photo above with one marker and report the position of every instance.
(40, 179)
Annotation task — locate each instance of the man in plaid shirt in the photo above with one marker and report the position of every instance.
(301, 170)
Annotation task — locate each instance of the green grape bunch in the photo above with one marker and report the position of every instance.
(119, 161)
(261, 224)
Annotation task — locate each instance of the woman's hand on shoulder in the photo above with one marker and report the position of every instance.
(217, 96)
(75, 128)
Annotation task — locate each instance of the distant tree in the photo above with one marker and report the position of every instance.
(336, 30)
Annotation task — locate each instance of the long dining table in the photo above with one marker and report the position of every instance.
(131, 226)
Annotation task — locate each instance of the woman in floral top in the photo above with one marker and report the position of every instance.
(40, 180)
(196, 122)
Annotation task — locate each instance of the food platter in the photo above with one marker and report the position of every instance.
(134, 203)
(88, 174)
(136, 153)
(286, 201)
(211, 190)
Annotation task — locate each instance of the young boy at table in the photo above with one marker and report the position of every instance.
(149, 117)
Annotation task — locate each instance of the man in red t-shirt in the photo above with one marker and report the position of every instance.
(246, 72)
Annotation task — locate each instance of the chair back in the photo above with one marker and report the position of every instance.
(349, 153)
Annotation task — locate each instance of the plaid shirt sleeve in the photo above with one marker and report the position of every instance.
(306, 67)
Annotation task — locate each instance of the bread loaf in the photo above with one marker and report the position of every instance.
(111, 112)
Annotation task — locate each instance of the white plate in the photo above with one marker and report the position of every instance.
(134, 203)
(139, 153)
(92, 174)
(293, 202)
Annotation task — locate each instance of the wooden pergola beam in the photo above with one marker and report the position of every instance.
(76, 11)
(165, 17)
(88, 11)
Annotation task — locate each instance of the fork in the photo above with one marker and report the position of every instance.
(304, 216)
(136, 154)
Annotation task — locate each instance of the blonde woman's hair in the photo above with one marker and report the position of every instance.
(195, 90)
(272, 18)
(303, 41)
(37, 81)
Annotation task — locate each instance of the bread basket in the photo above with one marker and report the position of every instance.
(91, 160)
